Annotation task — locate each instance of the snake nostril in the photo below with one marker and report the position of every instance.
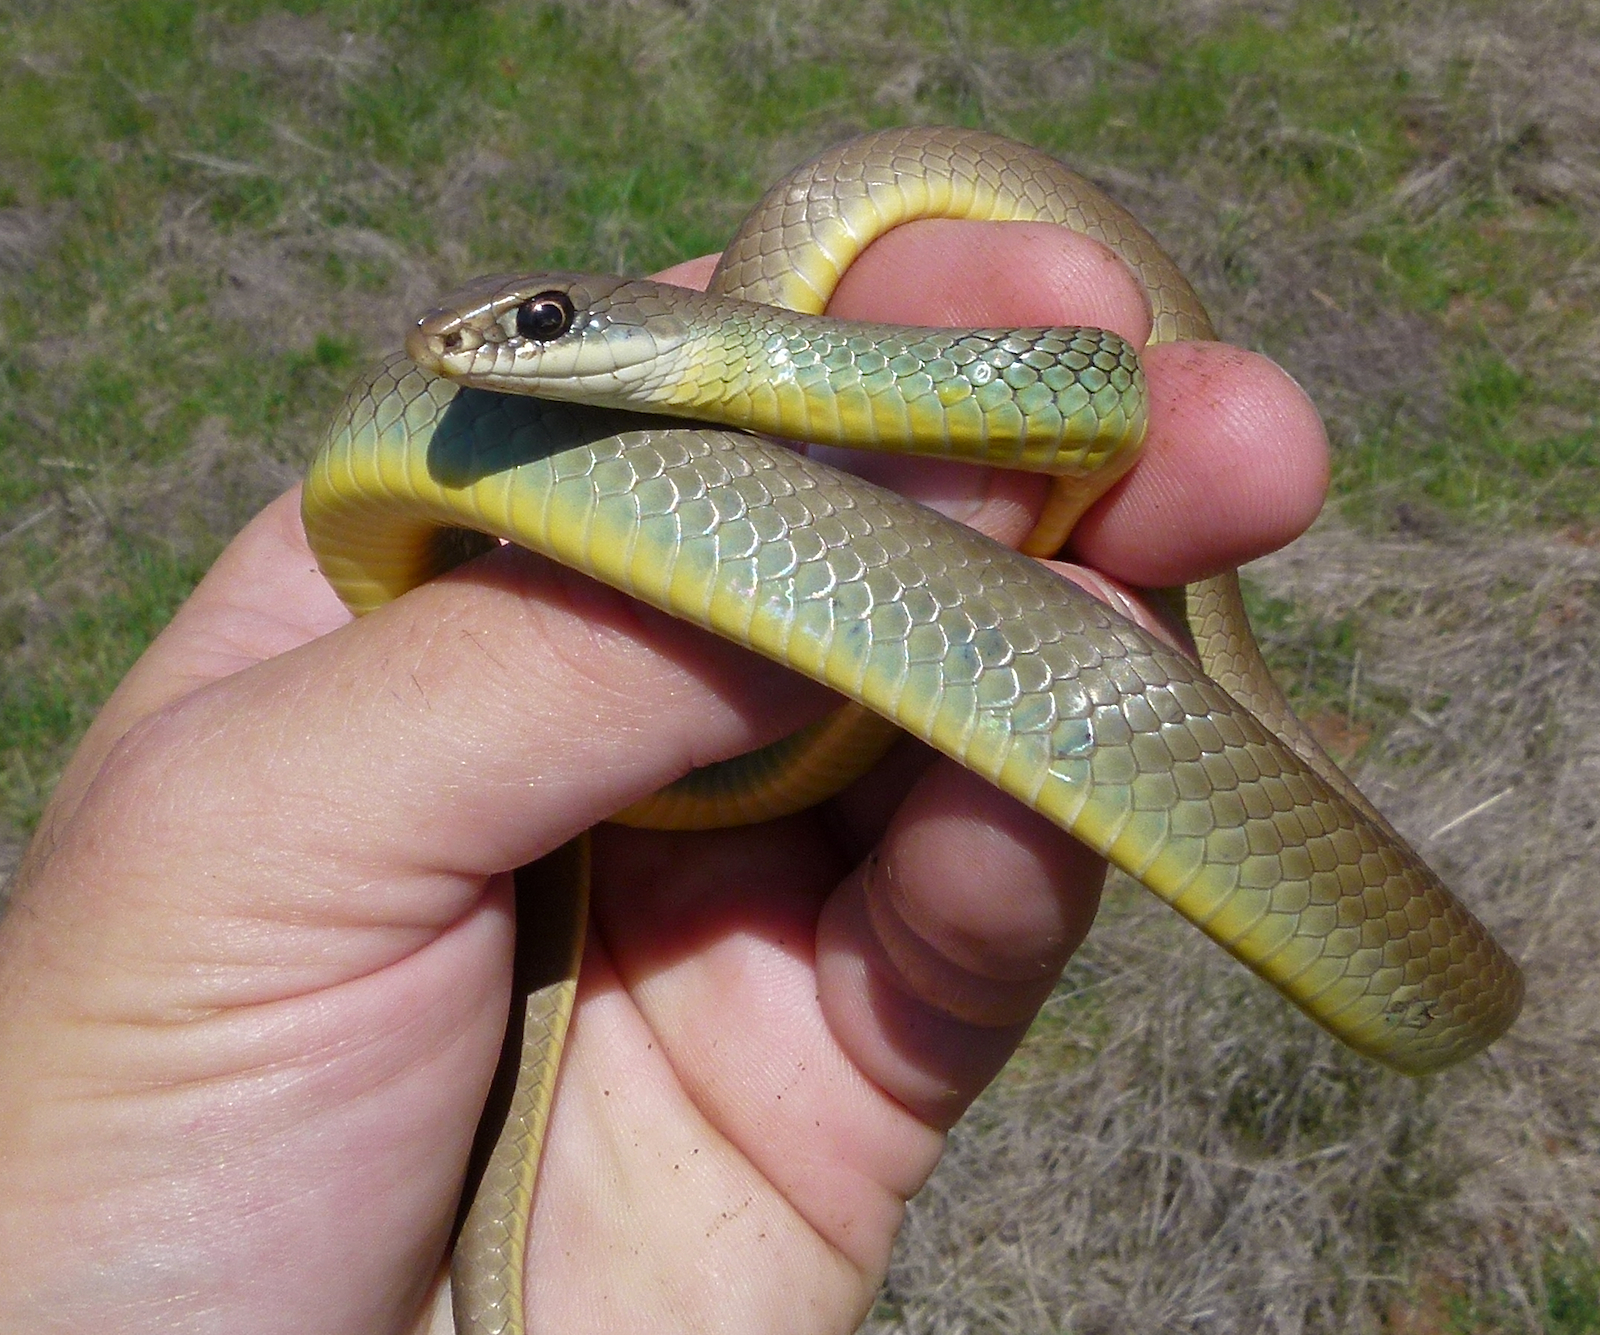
(452, 340)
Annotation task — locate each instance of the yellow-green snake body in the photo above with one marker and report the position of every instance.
(1194, 780)
(1047, 400)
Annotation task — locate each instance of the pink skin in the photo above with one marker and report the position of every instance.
(253, 979)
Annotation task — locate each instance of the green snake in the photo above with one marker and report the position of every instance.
(1198, 781)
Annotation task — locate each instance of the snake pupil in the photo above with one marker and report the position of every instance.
(545, 316)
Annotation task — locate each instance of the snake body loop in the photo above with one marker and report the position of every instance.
(1196, 780)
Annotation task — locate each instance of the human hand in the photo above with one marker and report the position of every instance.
(253, 980)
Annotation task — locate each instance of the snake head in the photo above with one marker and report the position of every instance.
(556, 335)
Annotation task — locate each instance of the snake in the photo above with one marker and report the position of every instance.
(638, 432)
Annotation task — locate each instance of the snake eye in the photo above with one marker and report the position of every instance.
(545, 316)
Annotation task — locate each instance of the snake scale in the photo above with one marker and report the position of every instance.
(1197, 780)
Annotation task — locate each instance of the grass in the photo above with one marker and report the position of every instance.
(212, 214)
(86, 652)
